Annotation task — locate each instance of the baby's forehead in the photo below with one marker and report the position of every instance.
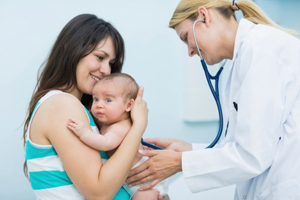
(107, 85)
(110, 82)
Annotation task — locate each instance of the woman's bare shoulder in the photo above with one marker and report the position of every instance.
(60, 103)
(58, 108)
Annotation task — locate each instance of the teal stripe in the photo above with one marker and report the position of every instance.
(122, 195)
(33, 152)
(103, 155)
(92, 123)
(49, 179)
(36, 106)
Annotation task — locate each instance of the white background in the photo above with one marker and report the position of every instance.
(155, 57)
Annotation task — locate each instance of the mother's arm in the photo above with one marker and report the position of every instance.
(82, 163)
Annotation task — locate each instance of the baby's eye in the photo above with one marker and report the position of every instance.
(96, 99)
(108, 100)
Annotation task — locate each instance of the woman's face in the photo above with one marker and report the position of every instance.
(94, 66)
(206, 36)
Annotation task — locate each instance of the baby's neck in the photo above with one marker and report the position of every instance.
(123, 119)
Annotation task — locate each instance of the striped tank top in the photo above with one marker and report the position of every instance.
(48, 177)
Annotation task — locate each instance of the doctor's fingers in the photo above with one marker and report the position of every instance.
(134, 172)
(137, 170)
(149, 186)
(161, 142)
(138, 178)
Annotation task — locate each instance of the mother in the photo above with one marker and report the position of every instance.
(59, 165)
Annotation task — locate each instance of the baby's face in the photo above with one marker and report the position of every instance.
(108, 102)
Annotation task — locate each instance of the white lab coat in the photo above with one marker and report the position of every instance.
(261, 152)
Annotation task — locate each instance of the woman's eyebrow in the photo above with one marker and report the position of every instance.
(106, 54)
(102, 51)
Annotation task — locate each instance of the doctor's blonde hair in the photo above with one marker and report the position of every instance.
(188, 9)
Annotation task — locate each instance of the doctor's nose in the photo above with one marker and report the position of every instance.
(191, 51)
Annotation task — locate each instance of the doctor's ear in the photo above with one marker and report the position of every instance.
(129, 105)
(204, 14)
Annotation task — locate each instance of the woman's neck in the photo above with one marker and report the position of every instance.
(228, 38)
(75, 92)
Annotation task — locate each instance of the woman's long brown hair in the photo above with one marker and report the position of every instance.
(78, 38)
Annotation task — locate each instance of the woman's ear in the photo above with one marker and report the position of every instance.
(204, 13)
(129, 105)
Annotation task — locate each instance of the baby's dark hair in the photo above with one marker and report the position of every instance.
(128, 83)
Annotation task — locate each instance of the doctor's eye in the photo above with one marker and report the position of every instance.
(185, 38)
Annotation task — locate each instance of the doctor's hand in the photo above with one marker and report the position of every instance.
(170, 143)
(160, 165)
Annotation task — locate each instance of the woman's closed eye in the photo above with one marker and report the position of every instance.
(100, 58)
(185, 38)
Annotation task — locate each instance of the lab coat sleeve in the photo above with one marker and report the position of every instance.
(197, 146)
(261, 99)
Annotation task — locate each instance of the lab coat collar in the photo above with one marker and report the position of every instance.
(242, 31)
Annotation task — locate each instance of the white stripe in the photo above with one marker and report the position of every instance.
(48, 163)
(68, 192)
(95, 129)
(39, 146)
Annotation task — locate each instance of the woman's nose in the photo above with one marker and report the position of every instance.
(191, 51)
(105, 68)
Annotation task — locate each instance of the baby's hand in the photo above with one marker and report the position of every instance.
(77, 127)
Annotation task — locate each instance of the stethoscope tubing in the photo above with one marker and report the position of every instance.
(215, 94)
(151, 145)
(214, 91)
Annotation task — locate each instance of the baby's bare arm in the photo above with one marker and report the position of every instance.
(108, 141)
(77, 127)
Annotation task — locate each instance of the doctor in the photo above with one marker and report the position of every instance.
(261, 152)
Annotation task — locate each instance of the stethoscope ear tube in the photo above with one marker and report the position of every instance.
(215, 92)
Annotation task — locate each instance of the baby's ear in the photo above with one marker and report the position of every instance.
(129, 105)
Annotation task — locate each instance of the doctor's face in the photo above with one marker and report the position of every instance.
(205, 41)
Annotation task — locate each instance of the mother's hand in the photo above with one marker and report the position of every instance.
(160, 165)
(139, 112)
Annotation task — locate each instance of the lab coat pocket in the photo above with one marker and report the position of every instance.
(288, 190)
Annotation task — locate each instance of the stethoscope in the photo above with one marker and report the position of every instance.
(215, 92)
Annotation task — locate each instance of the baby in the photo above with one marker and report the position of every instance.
(113, 99)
